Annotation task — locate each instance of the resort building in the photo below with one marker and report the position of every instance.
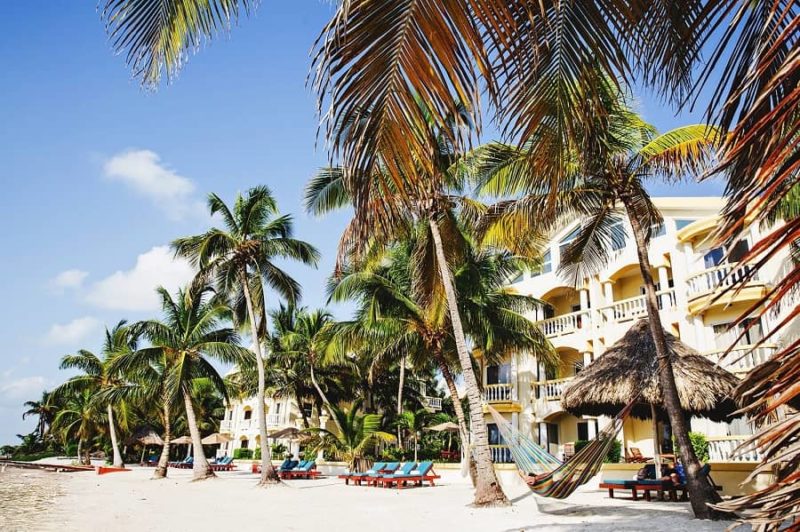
(582, 319)
(241, 424)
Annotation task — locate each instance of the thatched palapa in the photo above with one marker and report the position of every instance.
(630, 366)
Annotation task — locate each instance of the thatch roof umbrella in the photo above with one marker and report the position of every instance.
(447, 426)
(287, 433)
(630, 366)
(216, 439)
(146, 436)
(183, 440)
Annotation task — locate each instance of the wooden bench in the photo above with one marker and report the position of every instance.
(645, 487)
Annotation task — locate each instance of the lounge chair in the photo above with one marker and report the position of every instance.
(307, 470)
(377, 467)
(223, 464)
(404, 470)
(635, 456)
(422, 473)
(285, 473)
(370, 476)
(183, 464)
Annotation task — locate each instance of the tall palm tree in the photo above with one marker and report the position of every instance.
(400, 307)
(414, 422)
(191, 334)
(618, 153)
(357, 434)
(79, 418)
(98, 378)
(240, 256)
(44, 410)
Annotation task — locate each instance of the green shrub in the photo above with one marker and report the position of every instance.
(614, 453)
(278, 451)
(700, 445)
(243, 454)
(394, 454)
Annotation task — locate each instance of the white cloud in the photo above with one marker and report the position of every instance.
(143, 171)
(15, 391)
(73, 332)
(67, 279)
(134, 289)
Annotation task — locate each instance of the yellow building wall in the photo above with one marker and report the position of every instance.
(638, 433)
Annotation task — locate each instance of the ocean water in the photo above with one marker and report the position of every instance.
(26, 498)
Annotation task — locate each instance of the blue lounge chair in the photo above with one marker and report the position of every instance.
(416, 476)
(376, 468)
(307, 470)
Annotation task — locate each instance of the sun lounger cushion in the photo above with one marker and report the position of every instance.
(422, 470)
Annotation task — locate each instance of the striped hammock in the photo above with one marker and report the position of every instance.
(545, 474)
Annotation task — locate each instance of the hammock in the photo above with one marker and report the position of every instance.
(545, 474)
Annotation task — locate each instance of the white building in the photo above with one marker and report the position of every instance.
(583, 320)
(241, 424)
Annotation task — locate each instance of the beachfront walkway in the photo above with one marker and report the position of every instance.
(130, 501)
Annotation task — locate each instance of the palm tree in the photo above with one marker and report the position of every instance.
(44, 410)
(97, 377)
(358, 433)
(240, 256)
(402, 309)
(190, 335)
(79, 418)
(415, 421)
(620, 151)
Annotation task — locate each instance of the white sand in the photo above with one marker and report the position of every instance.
(131, 501)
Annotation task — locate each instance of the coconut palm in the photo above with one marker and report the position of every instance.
(619, 153)
(191, 334)
(401, 311)
(98, 378)
(359, 433)
(414, 422)
(240, 256)
(44, 410)
(79, 418)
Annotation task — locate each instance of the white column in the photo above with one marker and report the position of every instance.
(514, 380)
(608, 291)
(592, 425)
(587, 358)
(663, 281)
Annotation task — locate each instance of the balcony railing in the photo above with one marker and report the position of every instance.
(434, 403)
(501, 454)
(742, 358)
(721, 276)
(635, 307)
(274, 419)
(226, 425)
(723, 449)
(497, 393)
(552, 390)
(565, 324)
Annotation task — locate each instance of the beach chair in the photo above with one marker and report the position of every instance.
(183, 464)
(377, 467)
(635, 456)
(287, 473)
(307, 471)
(416, 477)
(370, 476)
(404, 470)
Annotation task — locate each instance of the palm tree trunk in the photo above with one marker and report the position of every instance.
(323, 396)
(488, 490)
(463, 431)
(113, 432)
(200, 468)
(302, 411)
(80, 443)
(701, 492)
(400, 399)
(268, 474)
(163, 461)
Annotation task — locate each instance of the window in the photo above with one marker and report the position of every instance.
(567, 240)
(500, 374)
(248, 414)
(494, 434)
(618, 235)
(738, 251)
(546, 267)
(583, 430)
(552, 433)
(682, 222)
(713, 257)
(735, 253)
(245, 442)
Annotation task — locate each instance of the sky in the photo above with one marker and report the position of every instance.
(99, 176)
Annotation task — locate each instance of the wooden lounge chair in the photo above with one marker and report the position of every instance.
(635, 456)
(377, 467)
(385, 478)
(307, 470)
(416, 477)
(370, 477)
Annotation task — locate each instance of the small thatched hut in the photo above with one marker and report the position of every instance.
(630, 365)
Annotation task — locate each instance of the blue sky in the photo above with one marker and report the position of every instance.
(99, 176)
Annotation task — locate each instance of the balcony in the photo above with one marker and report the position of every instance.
(497, 393)
(501, 454)
(226, 425)
(274, 419)
(552, 390)
(723, 449)
(432, 403)
(634, 308)
(565, 324)
(742, 358)
(704, 288)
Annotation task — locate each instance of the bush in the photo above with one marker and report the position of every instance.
(278, 451)
(700, 445)
(614, 453)
(242, 454)
(394, 454)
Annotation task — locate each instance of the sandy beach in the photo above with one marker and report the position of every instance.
(131, 501)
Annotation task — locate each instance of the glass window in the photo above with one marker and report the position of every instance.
(682, 222)
(546, 267)
(499, 374)
(713, 257)
(552, 433)
(248, 414)
(494, 434)
(583, 430)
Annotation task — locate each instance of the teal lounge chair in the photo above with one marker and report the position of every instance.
(307, 470)
(389, 469)
(356, 476)
(423, 472)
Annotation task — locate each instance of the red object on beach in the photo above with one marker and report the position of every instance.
(102, 470)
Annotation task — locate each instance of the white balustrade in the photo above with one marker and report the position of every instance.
(245, 424)
(552, 390)
(722, 276)
(226, 425)
(501, 454)
(434, 403)
(274, 419)
(565, 324)
(635, 307)
(497, 393)
(726, 449)
(742, 358)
